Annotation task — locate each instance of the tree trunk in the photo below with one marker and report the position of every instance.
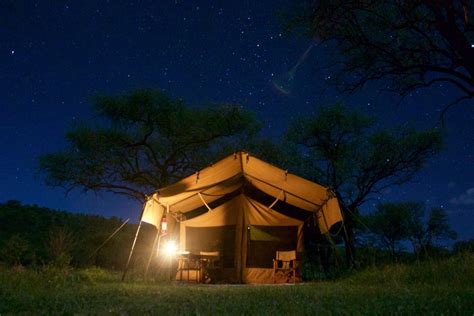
(349, 238)
(393, 252)
(416, 249)
(348, 231)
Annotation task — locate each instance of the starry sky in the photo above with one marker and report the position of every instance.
(55, 55)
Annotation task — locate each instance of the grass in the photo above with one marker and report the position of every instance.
(435, 287)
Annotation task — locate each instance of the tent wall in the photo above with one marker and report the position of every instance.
(241, 212)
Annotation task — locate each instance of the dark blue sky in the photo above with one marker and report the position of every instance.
(55, 55)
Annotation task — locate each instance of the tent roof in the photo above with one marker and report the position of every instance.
(232, 175)
(227, 175)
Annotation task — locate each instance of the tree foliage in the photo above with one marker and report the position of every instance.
(342, 149)
(143, 141)
(60, 244)
(411, 44)
(393, 223)
(425, 235)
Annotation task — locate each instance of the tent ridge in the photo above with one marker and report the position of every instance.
(277, 187)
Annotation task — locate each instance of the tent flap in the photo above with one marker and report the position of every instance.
(329, 215)
(152, 212)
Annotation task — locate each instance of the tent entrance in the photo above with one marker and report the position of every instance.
(265, 241)
(220, 239)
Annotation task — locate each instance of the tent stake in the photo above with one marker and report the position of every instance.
(133, 244)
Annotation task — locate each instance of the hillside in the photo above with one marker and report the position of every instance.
(33, 235)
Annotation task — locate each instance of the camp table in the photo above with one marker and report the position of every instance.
(188, 261)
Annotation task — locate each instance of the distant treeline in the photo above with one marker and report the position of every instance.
(33, 235)
(36, 236)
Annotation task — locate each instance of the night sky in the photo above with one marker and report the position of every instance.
(56, 55)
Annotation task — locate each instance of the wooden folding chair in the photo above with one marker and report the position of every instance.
(285, 264)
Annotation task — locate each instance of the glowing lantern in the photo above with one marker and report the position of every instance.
(170, 248)
(164, 226)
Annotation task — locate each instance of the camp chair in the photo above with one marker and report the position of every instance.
(285, 263)
(211, 266)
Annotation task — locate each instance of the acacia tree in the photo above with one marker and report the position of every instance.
(143, 141)
(424, 235)
(391, 223)
(410, 44)
(342, 149)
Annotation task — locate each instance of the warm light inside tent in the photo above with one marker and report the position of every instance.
(164, 226)
(170, 248)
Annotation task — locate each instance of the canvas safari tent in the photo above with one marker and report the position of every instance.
(244, 208)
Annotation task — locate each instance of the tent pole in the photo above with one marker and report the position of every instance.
(131, 251)
(347, 246)
(153, 249)
(110, 237)
(133, 244)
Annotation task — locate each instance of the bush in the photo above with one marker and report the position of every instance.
(16, 250)
(464, 246)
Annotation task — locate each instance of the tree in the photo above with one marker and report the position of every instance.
(343, 150)
(425, 235)
(60, 244)
(392, 223)
(143, 141)
(410, 44)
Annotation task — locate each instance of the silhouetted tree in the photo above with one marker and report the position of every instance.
(342, 149)
(411, 44)
(425, 235)
(392, 223)
(60, 244)
(143, 141)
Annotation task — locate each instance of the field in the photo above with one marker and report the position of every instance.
(435, 287)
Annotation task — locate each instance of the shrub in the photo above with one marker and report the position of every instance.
(464, 246)
(16, 250)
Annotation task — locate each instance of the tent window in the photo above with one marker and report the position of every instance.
(220, 239)
(265, 241)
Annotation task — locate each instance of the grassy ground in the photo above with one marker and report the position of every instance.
(436, 287)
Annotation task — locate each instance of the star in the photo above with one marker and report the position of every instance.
(184, 52)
